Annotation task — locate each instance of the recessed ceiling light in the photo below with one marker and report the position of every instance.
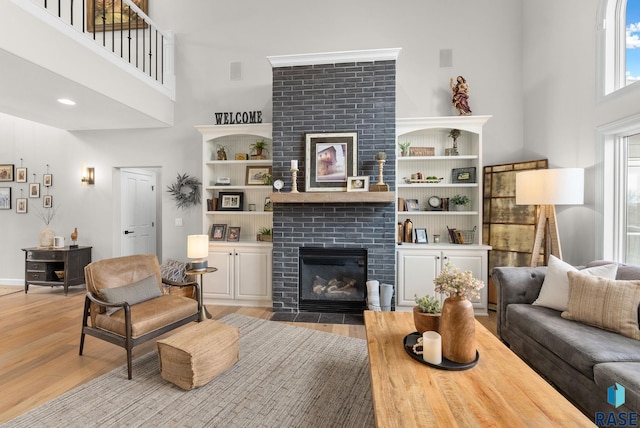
(66, 101)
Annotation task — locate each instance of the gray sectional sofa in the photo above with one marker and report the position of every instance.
(580, 360)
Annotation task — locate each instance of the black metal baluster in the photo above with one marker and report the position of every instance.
(113, 26)
(121, 30)
(156, 54)
(144, 49)
(129, 34)
(104, 23)
(162, 59)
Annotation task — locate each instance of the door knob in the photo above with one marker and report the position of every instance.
(126, 232)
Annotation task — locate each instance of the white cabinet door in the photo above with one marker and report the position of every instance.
(219, 284)
(244, 274)
(418, 267)
(416, 271)
(253, 274)
(476, 262)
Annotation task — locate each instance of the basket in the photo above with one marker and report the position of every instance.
(460, 236)
(466, 236)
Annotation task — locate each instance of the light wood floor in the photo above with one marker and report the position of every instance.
(39, 338)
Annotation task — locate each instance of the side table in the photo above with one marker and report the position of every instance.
(204, 314)
(41, 264)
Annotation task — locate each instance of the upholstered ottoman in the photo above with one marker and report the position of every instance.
(198, 353)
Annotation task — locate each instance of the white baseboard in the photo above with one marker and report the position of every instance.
(12, 282)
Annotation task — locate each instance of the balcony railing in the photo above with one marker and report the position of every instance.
(121, 27)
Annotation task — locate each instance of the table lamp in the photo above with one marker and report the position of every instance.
(198, 249)
(548, 188)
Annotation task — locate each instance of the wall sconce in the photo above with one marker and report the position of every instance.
(88, 175)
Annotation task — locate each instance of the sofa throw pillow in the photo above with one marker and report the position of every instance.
(554, 293)
(604, 303)
(137, 292)
(175, 271)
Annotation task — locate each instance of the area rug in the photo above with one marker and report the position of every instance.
(4, 290)
(287, 376)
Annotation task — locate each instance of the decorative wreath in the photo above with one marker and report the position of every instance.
(186, 191)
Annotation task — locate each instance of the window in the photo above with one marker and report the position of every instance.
(619, 195)
(632, 37)
(619, 44)
(632, 201)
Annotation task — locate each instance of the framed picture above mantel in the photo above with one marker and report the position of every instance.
(330, 159)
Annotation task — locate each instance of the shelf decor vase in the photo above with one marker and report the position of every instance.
(424, 321)
(458, 330)
(46, 237)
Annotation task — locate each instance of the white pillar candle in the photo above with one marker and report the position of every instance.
(432, 347)
(294, 164)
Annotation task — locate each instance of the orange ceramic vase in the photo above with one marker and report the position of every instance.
(458, 330)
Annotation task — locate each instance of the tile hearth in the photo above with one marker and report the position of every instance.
(319, 318)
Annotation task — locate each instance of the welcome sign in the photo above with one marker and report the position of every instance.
(237, 118)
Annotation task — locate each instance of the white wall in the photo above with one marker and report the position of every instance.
(485, 37)
(562, 110)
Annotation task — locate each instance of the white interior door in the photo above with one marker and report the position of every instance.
(138, 212)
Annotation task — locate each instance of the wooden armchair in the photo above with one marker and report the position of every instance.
(128, 305)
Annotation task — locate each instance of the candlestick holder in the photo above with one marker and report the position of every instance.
(379, 186)
(294, 180)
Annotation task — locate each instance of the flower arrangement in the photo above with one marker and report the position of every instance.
(454, 282)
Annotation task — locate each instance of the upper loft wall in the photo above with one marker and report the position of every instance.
(484, 38)
(44, 59)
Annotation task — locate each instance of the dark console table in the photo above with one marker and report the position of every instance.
(41, 264)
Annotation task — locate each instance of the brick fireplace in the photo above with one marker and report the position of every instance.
(343, 92)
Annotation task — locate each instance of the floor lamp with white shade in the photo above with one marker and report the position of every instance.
(548, 188)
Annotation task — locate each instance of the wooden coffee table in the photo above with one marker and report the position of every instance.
(501, 390)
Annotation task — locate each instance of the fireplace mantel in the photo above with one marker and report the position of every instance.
(332, 197)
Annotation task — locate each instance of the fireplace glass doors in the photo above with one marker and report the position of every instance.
(332, 280)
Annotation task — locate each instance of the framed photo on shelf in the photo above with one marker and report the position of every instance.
(218, 232)
(256, 175)
(47, 201)
(21, 175)
(233, 235)
(34, 190)
(421, 236)
(47, 180)
(412, 204)
(463, 175)
(358, 184)
(230, 201)
(21, 205)
(268, 205)
(330, 159)
(5, 198)
(6, 172)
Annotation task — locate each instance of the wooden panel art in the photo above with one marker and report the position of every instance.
(509, 228)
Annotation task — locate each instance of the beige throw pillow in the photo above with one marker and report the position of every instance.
(604, 303)
(554, 293)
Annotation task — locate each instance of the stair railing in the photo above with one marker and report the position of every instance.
(122, 27)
